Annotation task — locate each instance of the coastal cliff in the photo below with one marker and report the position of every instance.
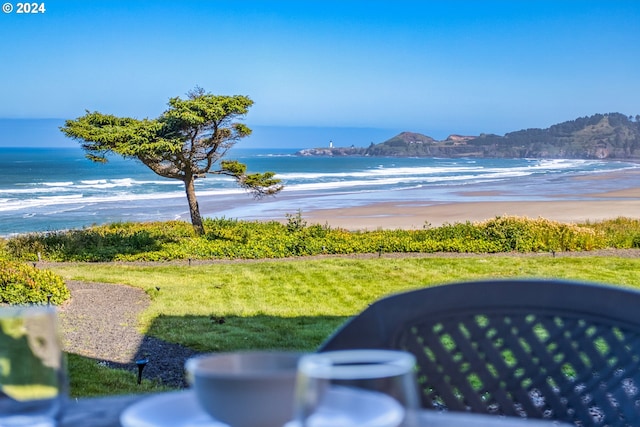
(601, 136)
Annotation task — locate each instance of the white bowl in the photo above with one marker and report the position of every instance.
(245, 389)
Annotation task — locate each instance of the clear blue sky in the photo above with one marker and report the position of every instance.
(435, 67)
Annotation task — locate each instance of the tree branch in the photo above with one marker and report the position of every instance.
(258, 184)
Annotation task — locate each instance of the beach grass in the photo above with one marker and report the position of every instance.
(297, 303)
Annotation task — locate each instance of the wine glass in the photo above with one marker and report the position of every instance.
(356, 388)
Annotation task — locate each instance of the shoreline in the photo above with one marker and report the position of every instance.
(415, 215)
(577, 199)
(601, 196)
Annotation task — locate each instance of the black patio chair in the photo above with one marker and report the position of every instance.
(551, 349)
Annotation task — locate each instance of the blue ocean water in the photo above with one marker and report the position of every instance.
(44, 189)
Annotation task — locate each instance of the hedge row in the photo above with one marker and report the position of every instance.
(228, 238)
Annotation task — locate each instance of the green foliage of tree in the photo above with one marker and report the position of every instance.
(186, 142)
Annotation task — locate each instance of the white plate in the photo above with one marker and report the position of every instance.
(177, 409)
(181, 409)
(345, 406)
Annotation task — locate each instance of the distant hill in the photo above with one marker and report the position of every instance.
(601, 136)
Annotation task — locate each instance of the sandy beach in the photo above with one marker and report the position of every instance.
(414, 215)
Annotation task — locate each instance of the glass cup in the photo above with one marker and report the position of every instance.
(349, 388)
(32, 372)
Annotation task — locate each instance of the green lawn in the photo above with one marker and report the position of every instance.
(295, 304)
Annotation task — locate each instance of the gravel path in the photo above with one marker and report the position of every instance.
(100, 321)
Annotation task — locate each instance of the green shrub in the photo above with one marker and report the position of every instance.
(523, 234)
(4, 254)
(99, 243)
(619, 232)
(25, 284)
(234, 239)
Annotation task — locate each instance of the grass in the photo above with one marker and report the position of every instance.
(88, 378)
(296, 304)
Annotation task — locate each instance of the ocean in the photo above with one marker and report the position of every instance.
(47, 189)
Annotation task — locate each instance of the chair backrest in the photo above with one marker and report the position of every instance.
(553, 349)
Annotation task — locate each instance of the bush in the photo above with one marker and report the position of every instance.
(523, 234)
(99, 243)
(234, 239)
(620, 232)
(25, 284)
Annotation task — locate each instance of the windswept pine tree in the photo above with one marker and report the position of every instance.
(187, 142)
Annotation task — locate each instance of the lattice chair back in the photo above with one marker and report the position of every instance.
(552, 349)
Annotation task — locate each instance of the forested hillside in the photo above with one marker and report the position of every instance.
(601, 136)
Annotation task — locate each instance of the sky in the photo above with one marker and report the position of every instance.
(434, 67)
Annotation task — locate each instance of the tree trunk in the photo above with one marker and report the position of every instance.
(194, 209)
